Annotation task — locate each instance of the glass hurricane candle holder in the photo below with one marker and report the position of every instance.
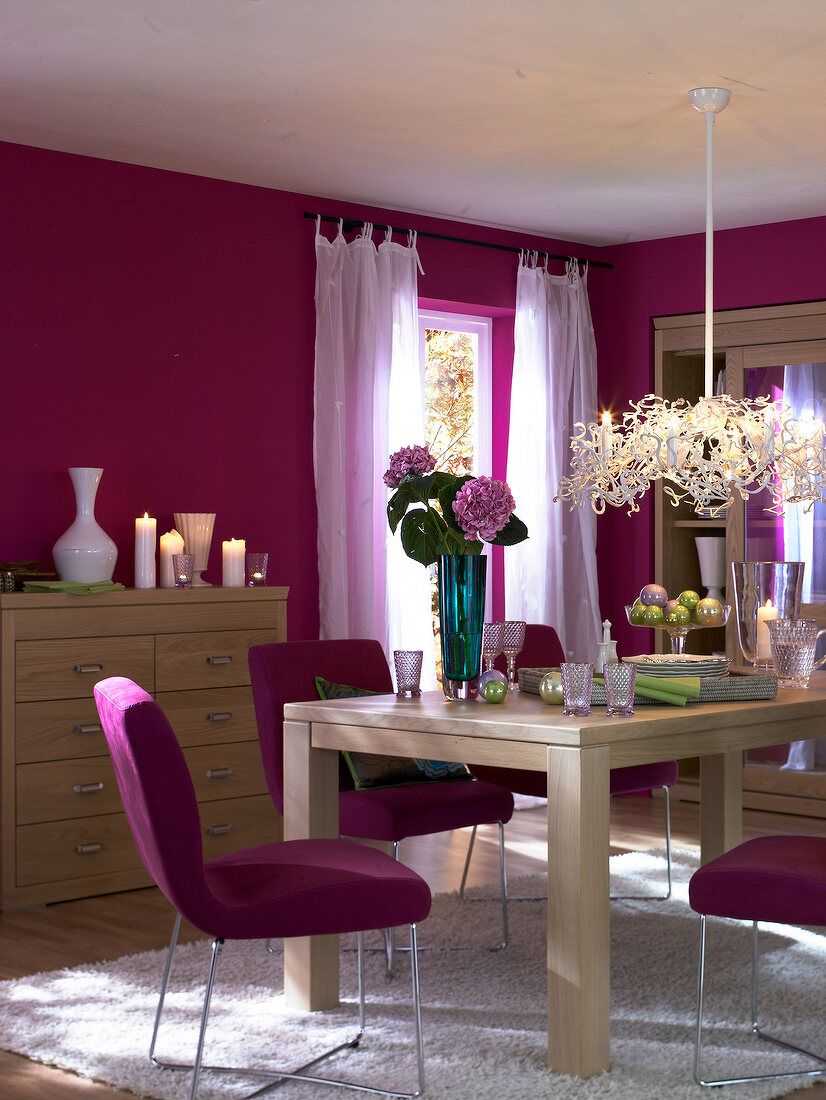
(256, 569)
(493, 636)
(763, 591)
(183, 568)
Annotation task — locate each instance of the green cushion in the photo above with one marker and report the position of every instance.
(370, 771)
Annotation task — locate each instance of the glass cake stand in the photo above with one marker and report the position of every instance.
(679, 632)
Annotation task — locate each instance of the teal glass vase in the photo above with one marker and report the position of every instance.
(461, 618)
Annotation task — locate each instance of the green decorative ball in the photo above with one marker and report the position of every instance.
(709, 612)
(550, 688)
(678, 616)
(637, 614)
(689, 598)
(494, 691)
(652, 615)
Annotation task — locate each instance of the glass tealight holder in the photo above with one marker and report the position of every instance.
(256, 569)
(763, 591)
(183, 569)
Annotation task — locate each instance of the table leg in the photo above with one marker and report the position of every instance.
(311, 963)
(578, 919)
(721, 803)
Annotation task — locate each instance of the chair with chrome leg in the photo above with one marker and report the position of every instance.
(291, 888)
(286, 672)
(543, 650)
(780, 879)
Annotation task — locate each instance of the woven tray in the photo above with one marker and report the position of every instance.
(727, 689)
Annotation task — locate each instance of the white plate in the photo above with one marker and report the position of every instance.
(680, 664)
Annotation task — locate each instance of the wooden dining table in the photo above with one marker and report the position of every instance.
(577, 754)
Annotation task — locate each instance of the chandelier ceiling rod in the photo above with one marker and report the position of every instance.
(709, 101)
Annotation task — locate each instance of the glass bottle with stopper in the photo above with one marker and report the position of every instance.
(607, 648)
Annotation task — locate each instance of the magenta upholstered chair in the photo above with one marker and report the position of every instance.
(285, 672)
(543, 650)
(781, 879)
(293, 888)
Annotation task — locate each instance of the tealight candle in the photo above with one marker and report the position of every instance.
(145, 534)
(171, 543)
(232, 558)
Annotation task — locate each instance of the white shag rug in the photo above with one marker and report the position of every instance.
(484, 1013)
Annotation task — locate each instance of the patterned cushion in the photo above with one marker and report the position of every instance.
(369, 770)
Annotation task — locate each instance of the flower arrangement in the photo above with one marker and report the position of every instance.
(443, 513)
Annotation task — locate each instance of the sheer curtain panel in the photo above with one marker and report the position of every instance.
(552, 577)
(368, 402)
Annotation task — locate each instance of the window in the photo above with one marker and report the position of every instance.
(455, 350)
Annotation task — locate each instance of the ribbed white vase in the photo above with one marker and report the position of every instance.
(85, 553)
(196, 528)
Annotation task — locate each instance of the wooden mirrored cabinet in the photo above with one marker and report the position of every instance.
(777, 351)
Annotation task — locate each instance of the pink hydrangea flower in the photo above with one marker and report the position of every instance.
(408, 460)
(482, 507)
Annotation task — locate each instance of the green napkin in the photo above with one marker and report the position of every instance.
(76, 588)
(674, 690)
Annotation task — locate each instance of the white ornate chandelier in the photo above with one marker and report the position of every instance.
(711, 453)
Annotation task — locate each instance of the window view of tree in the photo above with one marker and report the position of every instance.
(450, 376)
(450, 369)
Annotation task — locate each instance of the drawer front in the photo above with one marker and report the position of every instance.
(211, 716)
(214, 659)
(59, 729)
(58, 790)
(226, 771)
(235, 823)
(61, 850)
(70, 668)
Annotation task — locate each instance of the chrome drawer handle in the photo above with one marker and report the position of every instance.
(94, 728)
(87, 668)
(88, 849)
(218, 830)
(216, 773)
(224, 716)
(87, 788)
(219, 660)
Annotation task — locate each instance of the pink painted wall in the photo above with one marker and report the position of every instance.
(162, 326)
(755, 266)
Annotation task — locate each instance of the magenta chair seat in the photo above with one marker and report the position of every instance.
(393, 813)
(293, 888)
(771, 878)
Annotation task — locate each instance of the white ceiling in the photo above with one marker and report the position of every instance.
(569, 119)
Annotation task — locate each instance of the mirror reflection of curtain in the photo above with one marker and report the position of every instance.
(804, 390)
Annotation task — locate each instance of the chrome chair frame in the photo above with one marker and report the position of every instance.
(755, 1028)
(614, 897)
(278, 1077)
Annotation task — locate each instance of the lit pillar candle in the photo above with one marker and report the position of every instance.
(606, 438)
(764, 650)
(145, 535)
(171, 543)
(233, 553)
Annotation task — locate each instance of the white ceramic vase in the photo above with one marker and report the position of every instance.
(85, 553)
(196, 528)
(711, 552)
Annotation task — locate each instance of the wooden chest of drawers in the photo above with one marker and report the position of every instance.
(63, 833)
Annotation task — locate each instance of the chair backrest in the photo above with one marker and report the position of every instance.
(285, 672)
(157, 792)
(541, 649)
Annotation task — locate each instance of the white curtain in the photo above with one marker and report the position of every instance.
(552, 577)
(368, 402)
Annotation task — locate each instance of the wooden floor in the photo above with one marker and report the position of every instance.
(103, 928)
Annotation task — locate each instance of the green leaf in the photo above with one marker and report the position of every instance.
(513, 532)
(421, 537)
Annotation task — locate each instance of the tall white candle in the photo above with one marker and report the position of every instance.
(171, 543)
(671, 442)
(764, 650)
(145, 535)
(606, 437)
(233, 553)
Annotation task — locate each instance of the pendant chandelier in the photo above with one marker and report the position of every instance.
(711, 453)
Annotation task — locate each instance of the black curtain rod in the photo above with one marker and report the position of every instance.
(350, 223)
